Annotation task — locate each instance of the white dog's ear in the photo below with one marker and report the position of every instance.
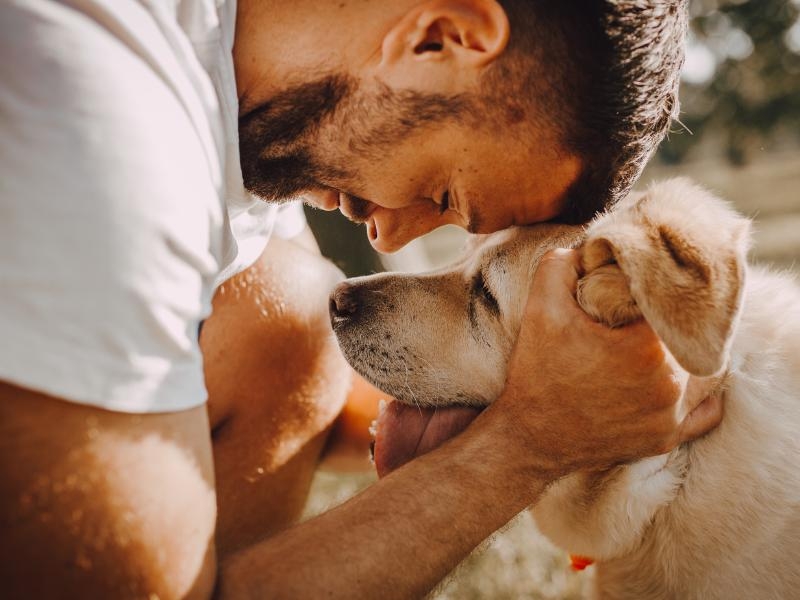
(676, 255)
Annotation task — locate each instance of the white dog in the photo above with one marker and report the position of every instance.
(718, 518)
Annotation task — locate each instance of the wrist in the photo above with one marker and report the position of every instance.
(504, 448)
(525, 446)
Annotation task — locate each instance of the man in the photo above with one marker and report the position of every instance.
(123, 211)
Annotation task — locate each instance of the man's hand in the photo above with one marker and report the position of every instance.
(584, 396)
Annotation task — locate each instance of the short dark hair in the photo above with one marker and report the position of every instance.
(604, 75)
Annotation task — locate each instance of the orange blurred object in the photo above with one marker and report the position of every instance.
(359, 412)
(349, 441)
(579, 563)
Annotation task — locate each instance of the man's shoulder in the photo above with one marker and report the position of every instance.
(112, 218)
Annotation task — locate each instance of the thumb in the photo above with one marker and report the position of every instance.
(556, 276)
(702, 419)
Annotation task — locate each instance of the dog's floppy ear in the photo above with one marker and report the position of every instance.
(681, 253)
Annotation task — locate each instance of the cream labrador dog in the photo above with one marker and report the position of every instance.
(718, 518)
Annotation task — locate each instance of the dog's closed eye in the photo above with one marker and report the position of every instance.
(480, 291)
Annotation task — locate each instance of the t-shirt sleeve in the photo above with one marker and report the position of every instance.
(290, 221)
(107, 209)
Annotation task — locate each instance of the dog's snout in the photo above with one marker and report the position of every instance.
(344, 302)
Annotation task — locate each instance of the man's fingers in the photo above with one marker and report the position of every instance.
(702, 419)
(556, 277)
(697, 390)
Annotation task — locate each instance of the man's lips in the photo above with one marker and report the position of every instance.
(404, 432)
(330, 199)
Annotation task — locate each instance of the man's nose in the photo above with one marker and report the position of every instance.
(391, 229)
(325, 199)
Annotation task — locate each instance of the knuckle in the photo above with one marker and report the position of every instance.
(557, 254)
(555, 259)
(650, 352)
(669, 392)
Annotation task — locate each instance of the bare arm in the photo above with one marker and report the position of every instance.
(401, 536)
(97, 504)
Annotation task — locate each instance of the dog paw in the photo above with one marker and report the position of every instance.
(604, 292)
(605, 296)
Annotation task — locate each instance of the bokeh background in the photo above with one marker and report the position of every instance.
(739, 134)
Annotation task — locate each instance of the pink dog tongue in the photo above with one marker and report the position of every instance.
(405, 432)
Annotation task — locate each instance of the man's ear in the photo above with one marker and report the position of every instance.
(682, 253)
(443, 43)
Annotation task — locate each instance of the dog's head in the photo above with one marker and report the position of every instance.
(440, 342)
(444, 337)
(675, 254)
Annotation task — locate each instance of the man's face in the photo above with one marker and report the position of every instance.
(401, 173)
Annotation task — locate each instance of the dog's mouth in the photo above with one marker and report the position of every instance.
(403, 432)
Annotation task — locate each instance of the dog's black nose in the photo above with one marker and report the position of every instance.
(343, 303)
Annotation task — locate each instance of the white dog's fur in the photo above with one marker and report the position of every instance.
(718, 518)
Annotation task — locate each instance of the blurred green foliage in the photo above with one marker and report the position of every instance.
(741, 82)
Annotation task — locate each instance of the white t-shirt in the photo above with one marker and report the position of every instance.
(121, 197)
